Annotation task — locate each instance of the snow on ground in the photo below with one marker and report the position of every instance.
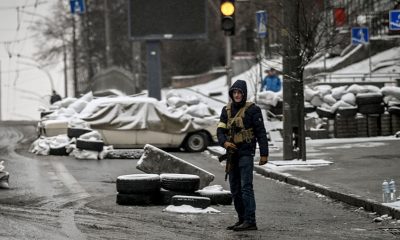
(296, 165)
(377, 60)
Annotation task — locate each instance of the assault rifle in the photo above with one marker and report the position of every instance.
(228, 156)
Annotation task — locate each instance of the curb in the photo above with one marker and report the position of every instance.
(351, 199)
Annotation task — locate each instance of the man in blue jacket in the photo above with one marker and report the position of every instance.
(271, 82)
(241, 126)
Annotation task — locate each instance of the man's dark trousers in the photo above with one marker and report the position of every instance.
(241, 184)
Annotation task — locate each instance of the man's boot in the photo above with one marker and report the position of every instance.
(245, 226)
(234, 225)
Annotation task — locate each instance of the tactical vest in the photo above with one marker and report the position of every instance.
(236, 122)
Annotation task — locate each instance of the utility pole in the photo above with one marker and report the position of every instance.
(293, 93)
(107, 31)
(1, 95)
(136, 65)
(74, 56)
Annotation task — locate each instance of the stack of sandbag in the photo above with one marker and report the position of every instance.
(271, 101)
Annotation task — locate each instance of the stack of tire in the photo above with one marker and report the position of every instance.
(372, 106)
(394, 112)
(89, 140)
(166, 189)
(180, 189)
(345, 122)
(138, 189)
(385, 124)
(345, 127)
(362, 125)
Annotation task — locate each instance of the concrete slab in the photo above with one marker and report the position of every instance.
(155, 160)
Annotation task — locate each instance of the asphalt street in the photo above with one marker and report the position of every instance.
(53, 197)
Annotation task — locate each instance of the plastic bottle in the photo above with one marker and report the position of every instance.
(385, 191)
(392, 190)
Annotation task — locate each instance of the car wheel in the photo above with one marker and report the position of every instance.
(197, 142)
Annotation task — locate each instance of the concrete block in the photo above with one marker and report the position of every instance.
(155, 160)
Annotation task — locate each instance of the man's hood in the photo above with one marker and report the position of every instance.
(241, 86)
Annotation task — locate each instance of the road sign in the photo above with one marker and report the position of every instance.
(261, 21)
(394, 20)
(77, 6)
(359, 35)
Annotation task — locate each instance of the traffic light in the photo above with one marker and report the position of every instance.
(227, 8)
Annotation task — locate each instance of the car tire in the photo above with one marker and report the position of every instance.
(165, 196)
(369, 98)
(139, 199)
(77, 132)
(376, 108)
(61, 151)
(180, 182)
(197, 202)
(347, 111)
(323, 113)
(90, 145)
(138, 183)
(218, 198)
(197, 142)
(394, 110)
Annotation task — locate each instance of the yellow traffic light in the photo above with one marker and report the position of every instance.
(227, 8)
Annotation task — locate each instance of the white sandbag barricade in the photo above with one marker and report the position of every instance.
(356, 110)
(157, 161)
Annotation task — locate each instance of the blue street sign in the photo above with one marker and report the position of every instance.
(359, 35)
(394, 20)
(77, 6)
(261, 23)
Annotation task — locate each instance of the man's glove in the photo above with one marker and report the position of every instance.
(228, 145)
(263, 160)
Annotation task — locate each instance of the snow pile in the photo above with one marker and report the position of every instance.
(212, 189)
(189, 209)
(269, 98)
(297, 165)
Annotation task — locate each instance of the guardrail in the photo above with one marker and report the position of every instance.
(359, 78)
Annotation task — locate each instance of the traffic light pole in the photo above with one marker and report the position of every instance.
(153, 50)
(228, 61)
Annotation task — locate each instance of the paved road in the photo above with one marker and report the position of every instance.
(63, 198)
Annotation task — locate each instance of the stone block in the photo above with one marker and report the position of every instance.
(155, 160)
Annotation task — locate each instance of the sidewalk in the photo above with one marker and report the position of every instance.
(349, 170)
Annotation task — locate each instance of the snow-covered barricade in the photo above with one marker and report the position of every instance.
(114, 115)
